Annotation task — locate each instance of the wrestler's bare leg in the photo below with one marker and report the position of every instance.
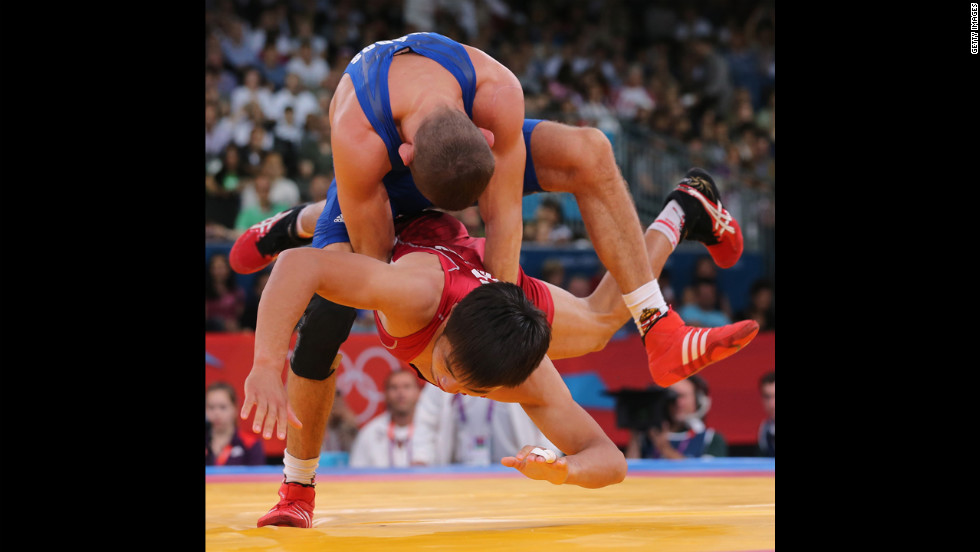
(580, 160)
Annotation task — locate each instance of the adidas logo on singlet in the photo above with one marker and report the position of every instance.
(340, 218)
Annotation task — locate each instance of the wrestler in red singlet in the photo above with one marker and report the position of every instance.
(461, 257)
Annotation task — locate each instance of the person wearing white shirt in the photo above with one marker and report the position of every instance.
(387, 441)
(311, 68)
(250, 91)
(292, 95)
(470, 430)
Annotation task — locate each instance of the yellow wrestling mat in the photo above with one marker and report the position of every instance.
(718, 508)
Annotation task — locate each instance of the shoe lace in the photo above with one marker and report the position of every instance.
(264, 226)
(721, 218)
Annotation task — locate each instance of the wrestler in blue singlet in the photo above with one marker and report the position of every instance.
(368, 71)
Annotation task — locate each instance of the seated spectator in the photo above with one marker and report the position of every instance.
(252, 90)
(387, 440)
(224, 445)
(553, 272)
(684, 434)
(235, 47)
(282, 191)
(272, 70)
(341, 427)
(310, 67)
(253, 154)
(633, 97)
(264, 206)
(224, 301)
(549, 223)
(767, 429)
(222, 198)
(702, 309)
(218, 131)
(761, 307)
(463, 429)
(292, 94)
(250, 314)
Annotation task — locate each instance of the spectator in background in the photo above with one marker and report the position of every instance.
(250, 314)
(218, 131)
(684, 435)
(224, 445)
(549, 223)
(303, 102)
(304, 32)
(702, 310)
(273, 71)
(633, 97)
(319, 186)
(264, 206)
(761, 307)
(311, 68)
(222, 198)
(253, 154)
(235, 47)
(341, 427)
(580, 286)
(251, 91)
(387, 440)
(224, 301)
(464, 429)
(706, 269)
(251, 119)
(553, 272)
(767, 430)
(288, 130)
(315, 147)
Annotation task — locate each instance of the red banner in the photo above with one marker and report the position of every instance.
(736, 409)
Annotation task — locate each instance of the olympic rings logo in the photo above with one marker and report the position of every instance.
(352, 376)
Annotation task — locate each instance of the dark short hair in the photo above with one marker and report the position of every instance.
(453, 163)
(767, 378)
(498, 336)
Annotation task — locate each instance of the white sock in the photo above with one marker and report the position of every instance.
(299, 471)
(643, 298)
(670, 223)
(298, 225)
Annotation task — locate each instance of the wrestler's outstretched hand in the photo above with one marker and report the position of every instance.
(265, 392)
(536, 466)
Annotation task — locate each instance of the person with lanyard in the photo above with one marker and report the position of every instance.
(387, 440)
(224, 445)
(469, 430)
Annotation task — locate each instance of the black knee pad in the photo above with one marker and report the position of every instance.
(323, 328)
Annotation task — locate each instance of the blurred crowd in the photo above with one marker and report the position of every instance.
(423, 426)
(673, 84)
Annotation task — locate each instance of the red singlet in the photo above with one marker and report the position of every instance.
(461, 257)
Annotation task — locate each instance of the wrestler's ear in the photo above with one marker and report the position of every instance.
(488, 135)
(407, 153)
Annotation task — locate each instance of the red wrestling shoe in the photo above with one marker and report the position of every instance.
(707, 221)
(258, 246)
(295, 508)
(676, 351)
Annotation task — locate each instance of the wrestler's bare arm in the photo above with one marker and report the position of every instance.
(360, 163)
(401, 290)
(499, 108)
(592, 460)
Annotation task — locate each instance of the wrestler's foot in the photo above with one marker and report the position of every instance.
(258, 246)
(295, 508)
(706, 220)
(676, 351)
